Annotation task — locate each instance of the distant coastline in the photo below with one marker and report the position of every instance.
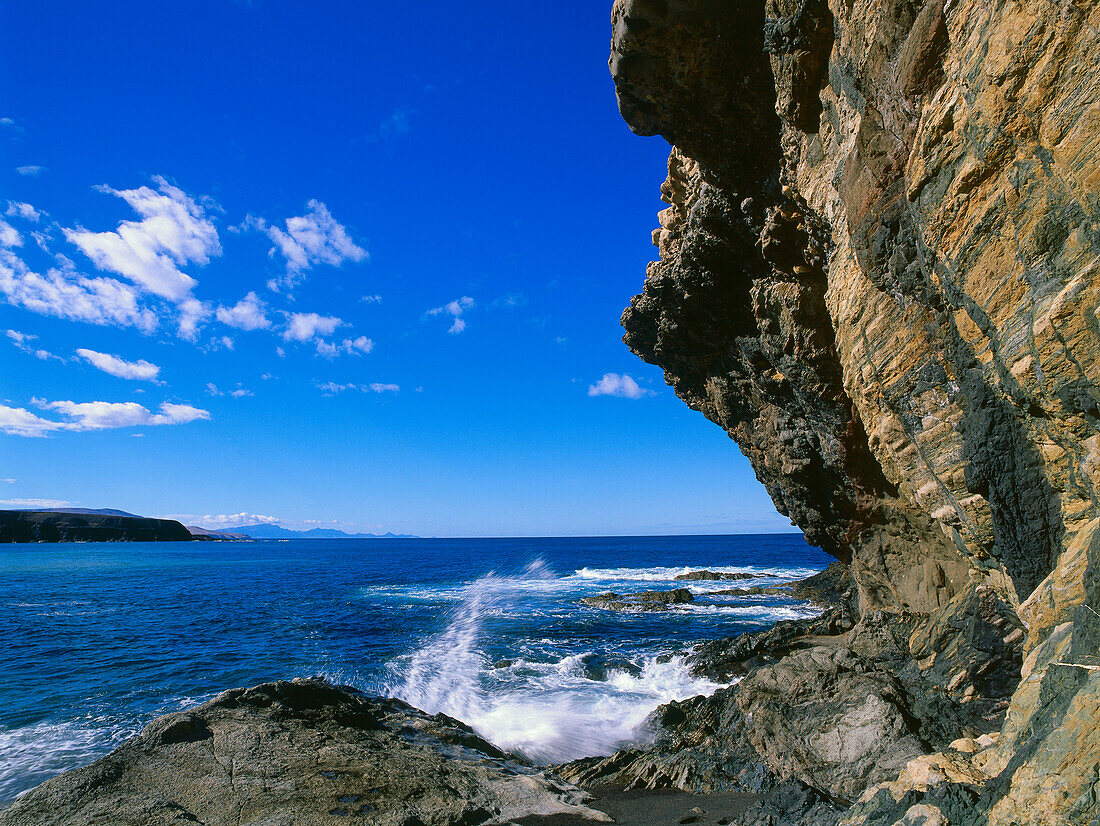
(112, 525)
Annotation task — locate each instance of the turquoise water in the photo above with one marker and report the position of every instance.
(99, 638)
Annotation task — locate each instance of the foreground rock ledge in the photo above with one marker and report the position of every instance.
(300, 753)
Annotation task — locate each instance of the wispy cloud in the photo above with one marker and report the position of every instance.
(239, 392)
(22, 341)
(18, 209)
(30, 171)
(9, 235)
(85, 416)
(396, 125)
(308, 326)
(308, 240)
(622, 386)
(247, 314)
(331, 388)
(31, 504)
(140, 370)
(173, 231)
(348, 347)
(456, 309)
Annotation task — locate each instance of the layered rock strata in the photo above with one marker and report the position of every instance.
(878, 272)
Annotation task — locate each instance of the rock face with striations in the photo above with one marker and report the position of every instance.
(879, 272)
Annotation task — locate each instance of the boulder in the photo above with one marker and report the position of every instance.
(300, 753)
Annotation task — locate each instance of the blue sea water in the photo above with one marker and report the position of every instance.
(96, 639)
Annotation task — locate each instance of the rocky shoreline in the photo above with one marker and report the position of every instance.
(838, 719)
(878, 272)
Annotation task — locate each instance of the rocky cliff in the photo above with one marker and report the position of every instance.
(87, 526)
(878, 272)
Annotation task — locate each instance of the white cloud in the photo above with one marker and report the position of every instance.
(86, 416)
(612, 384)
(9, 481)
(140, 370)
(31, 504)
(246, 314)
(9, 237)
(371, 299)
(18, 209)
(307, 326)
(349, 347)
(67, 294)
(30, 171)
(239, 393)
(455, 309)
(331, 388)
(308, 240)
(18, 421)
(192, 314)
(222, 520)
(22, 342)
(173, 231)
(7, 121)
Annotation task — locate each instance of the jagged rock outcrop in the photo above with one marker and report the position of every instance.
(879, 272)
(61, 526)
(299, 753)
(640, 601)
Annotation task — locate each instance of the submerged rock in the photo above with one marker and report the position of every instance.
(295, 754)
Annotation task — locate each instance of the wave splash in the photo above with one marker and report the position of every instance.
(548, 712)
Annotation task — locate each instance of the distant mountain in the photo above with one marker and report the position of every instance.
(269, 531)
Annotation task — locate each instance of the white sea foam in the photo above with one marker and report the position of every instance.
(547, 711)
(31, 754)
(670, 574)
(764, 614)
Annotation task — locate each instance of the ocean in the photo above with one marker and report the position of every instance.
(97, 639)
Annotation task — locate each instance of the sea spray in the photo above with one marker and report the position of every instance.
(549, 712)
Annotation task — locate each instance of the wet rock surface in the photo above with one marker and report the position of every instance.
(640, 601)
(299, 753)
(701, 576)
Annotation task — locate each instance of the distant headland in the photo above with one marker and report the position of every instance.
(112, 525)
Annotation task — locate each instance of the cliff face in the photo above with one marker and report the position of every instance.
(879, 274)
(54, 526)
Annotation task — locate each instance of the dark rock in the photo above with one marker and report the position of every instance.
(715, 575)
(58, 526)
(299, 753)
(640, 601)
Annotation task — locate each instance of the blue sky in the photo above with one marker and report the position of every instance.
(351, 264)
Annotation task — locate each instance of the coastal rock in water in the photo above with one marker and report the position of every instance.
(294, 754)
(698, 576)
(878, 272)
(640, 601)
